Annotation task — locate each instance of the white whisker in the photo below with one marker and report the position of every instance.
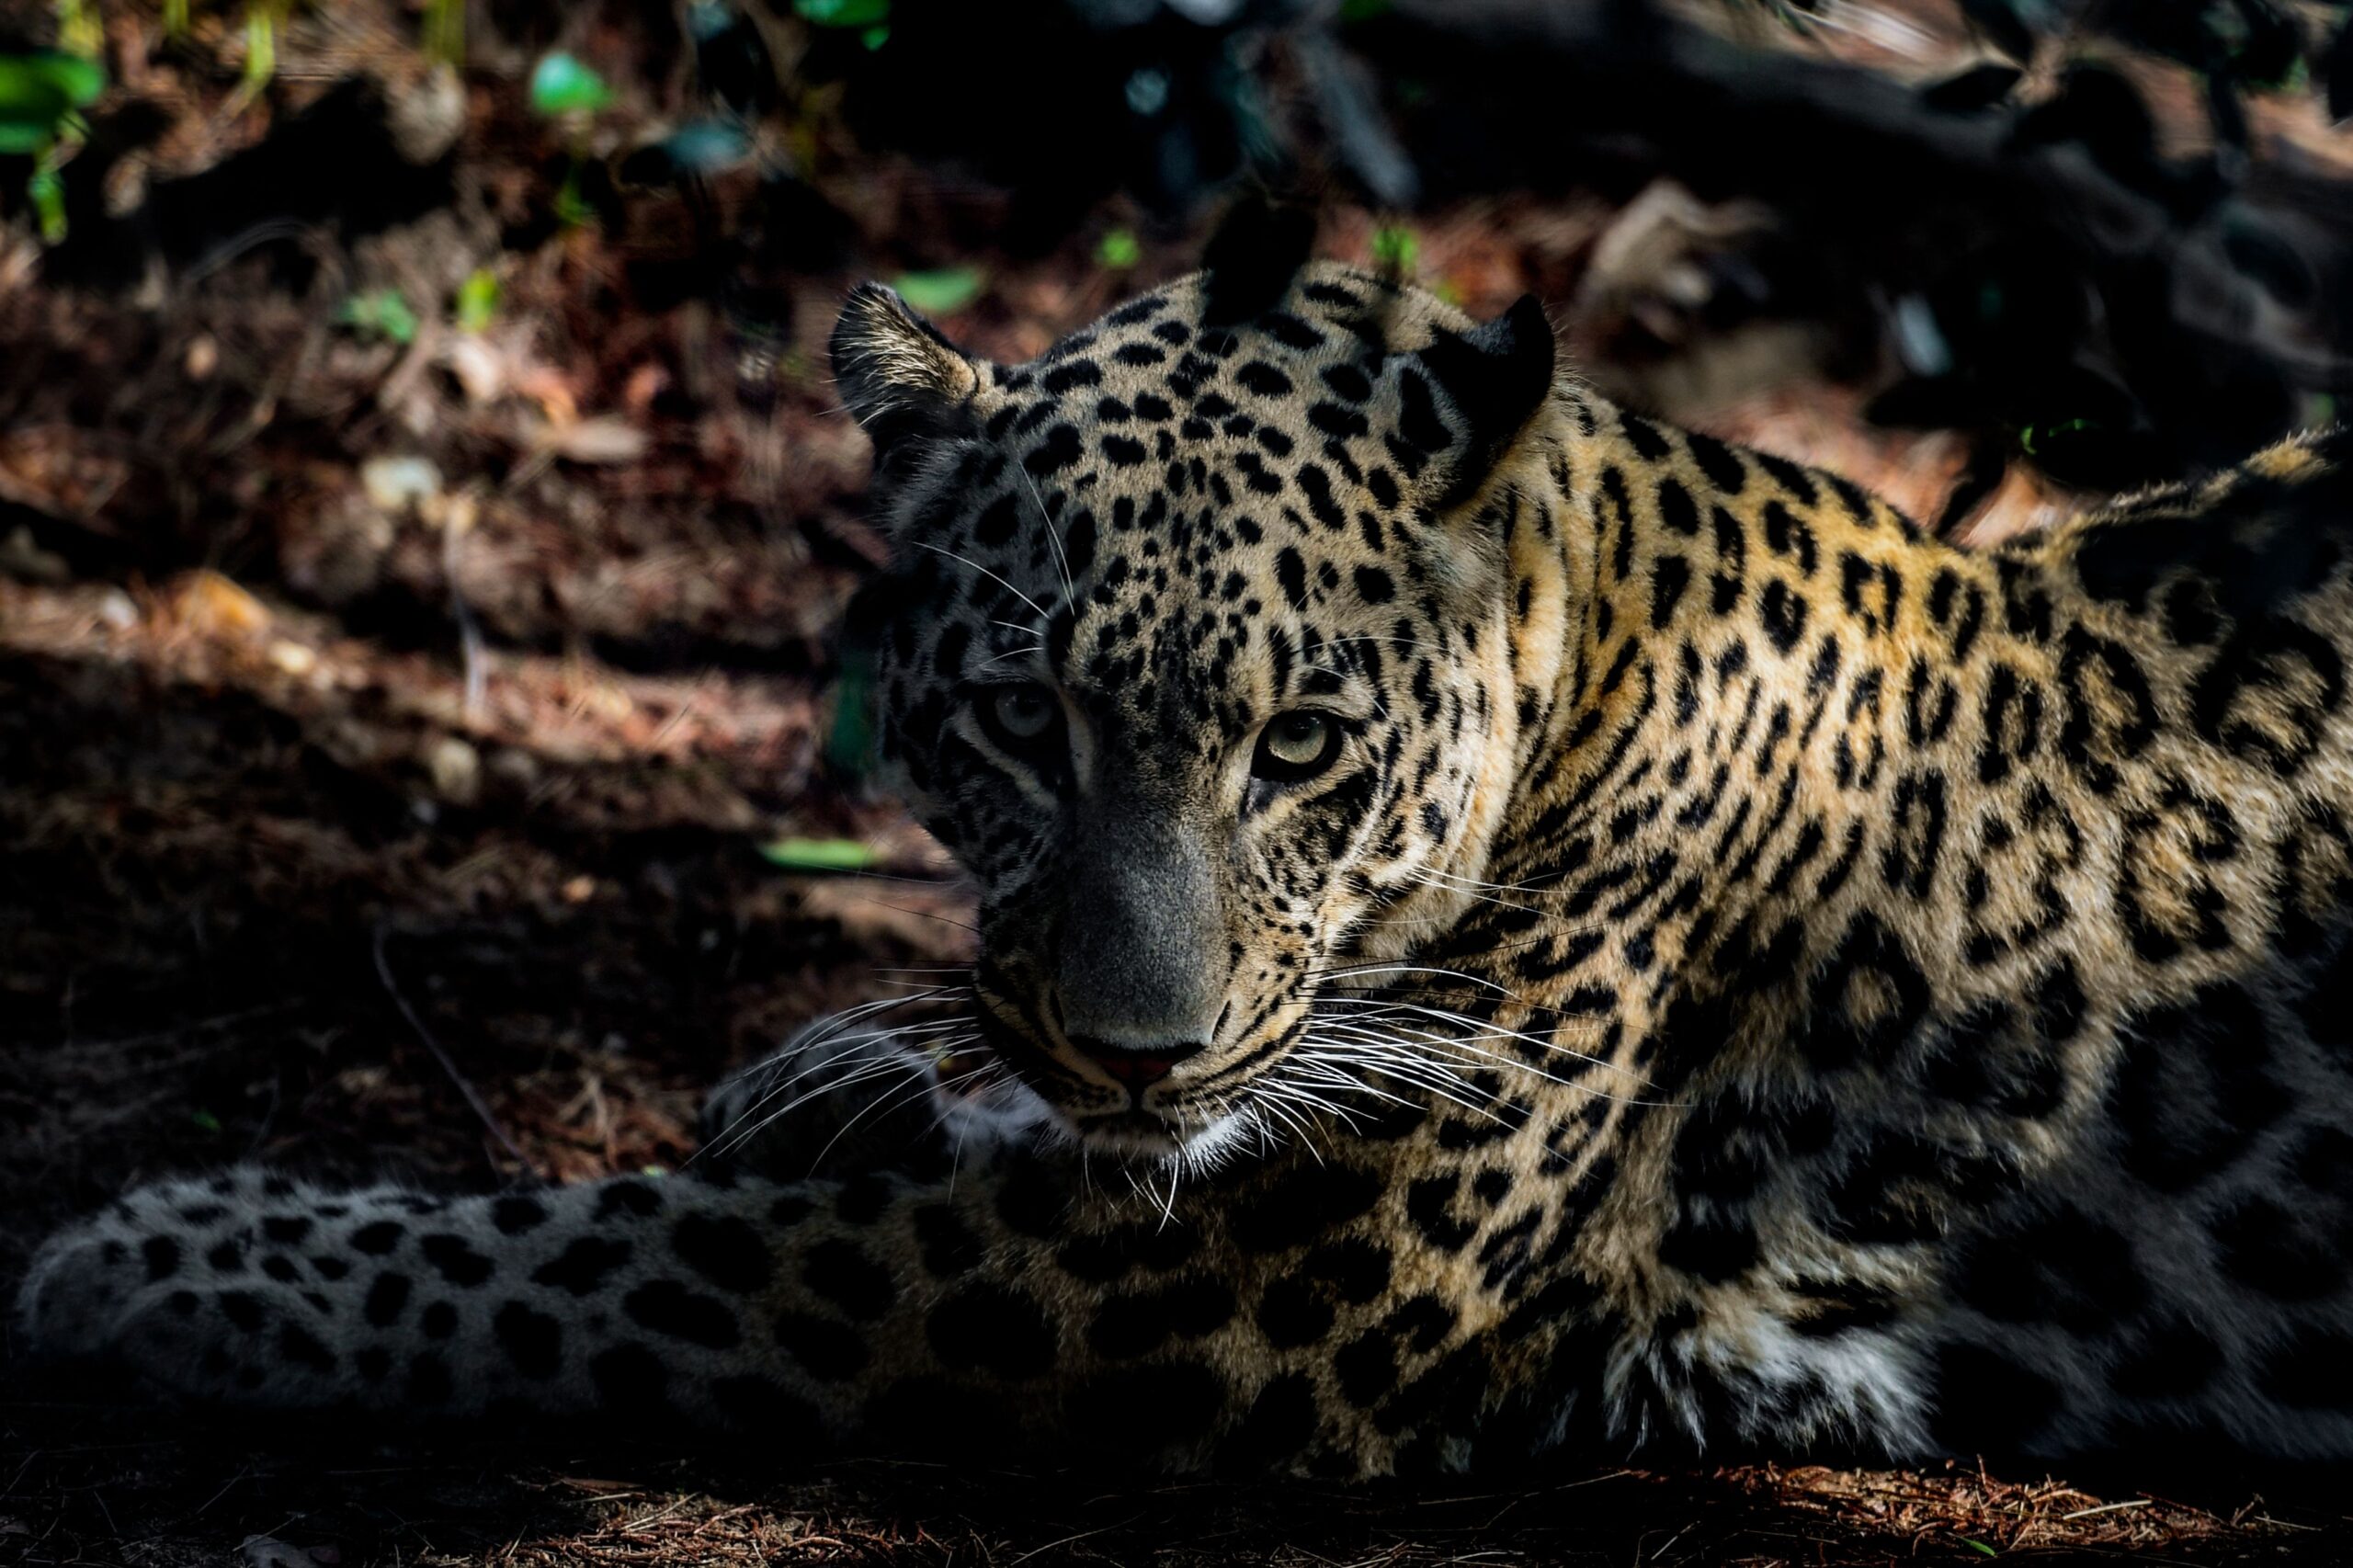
(1069, 593)
(986, 573)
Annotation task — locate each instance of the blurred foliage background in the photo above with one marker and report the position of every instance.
(423, 514)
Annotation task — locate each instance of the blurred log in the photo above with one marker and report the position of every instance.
(2071, 280)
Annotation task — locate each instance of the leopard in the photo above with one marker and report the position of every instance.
(1506, 927)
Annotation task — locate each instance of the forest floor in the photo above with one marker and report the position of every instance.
(383, 717)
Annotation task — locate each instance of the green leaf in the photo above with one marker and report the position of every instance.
(261, 45)
(204, 1120)
(1395, 249)
(38, 91)
(874, 38)
(47, 193)
(938, 293)
(79, 30)
(74, 81)
(1974, 1545)
(844, 13)
(562, 85)
(382, 313)
(1120, 250)
(445, 32)
(821, 855)
(572, 208)
(396, 320)
(2034, 433)
(478, 299)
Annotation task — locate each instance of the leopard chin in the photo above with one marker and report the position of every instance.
(1155, 1139)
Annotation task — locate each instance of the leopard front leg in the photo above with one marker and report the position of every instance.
(903, 1314)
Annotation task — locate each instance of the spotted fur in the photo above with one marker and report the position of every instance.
(1747, 974)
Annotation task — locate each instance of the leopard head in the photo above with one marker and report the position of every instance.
(1192, 648)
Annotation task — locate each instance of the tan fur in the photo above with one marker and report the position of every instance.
(1839, 991)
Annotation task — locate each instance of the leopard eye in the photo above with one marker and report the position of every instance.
(1295, 745)
(1019, 718)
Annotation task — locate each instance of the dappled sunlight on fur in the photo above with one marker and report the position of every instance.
(1737, 972)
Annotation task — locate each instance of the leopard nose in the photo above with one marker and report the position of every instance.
(1137, 1066)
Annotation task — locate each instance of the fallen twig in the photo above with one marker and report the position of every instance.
(464, 1086)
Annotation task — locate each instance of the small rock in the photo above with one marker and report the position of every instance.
(126, 185)
(480, 368)
(396, 485)
(426, 115)
(456, 770)
(601, 439)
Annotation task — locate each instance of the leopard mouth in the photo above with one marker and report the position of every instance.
(1152, 1134)
(1193, 1116)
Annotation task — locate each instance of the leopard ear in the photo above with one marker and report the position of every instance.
(1464, 399)
(897, 375)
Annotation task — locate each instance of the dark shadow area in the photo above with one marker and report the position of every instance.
(99, 1476)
